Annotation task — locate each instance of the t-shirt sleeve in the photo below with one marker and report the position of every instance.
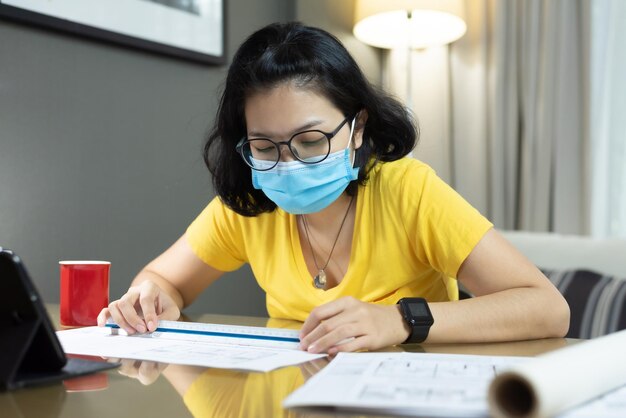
(216, 237)
(445, 226)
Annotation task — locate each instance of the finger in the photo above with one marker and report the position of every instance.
(162, 366)
(311, 368)
(148, 372)
(354, 344)
(126, 305)
(147, 300)
(169, 311)
(321, 313)
(129, 367)
(327, 326)
(319, 364)
(102, 317)
(305, 371)
(336, 336)
(119, 319)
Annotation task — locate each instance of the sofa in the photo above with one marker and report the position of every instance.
(589, 272)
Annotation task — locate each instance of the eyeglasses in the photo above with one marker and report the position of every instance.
(309, 147)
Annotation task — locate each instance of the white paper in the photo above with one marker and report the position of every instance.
(414, 384)
(609, 405)
(565, 378)
(173, 348)
(421, 384)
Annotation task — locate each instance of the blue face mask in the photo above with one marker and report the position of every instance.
(300, 188)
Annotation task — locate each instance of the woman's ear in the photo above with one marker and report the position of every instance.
(359, 127)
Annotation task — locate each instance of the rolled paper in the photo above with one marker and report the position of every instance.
(554, 382)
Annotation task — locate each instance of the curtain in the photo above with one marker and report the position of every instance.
(608, 124)
(503, 112)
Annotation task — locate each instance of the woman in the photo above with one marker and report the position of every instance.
(315, 193)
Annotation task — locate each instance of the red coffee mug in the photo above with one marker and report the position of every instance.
(84, 291)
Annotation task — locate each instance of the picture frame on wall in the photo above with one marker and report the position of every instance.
(187, 29)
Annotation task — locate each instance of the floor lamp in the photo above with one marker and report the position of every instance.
(410, 24)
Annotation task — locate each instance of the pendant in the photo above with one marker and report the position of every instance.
(319, 281)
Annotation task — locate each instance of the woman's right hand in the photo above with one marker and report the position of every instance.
(140, 309)
(147, 372)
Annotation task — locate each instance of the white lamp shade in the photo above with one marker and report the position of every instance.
(385, 23)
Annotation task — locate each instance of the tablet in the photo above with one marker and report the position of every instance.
(31, 352)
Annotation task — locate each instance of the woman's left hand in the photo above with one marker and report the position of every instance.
(347, 324)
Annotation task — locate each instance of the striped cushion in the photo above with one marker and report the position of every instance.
(597, 302)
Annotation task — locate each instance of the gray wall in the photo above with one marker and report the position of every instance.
(100, 152)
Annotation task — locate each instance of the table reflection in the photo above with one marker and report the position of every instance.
(19, 403)
(228, 393)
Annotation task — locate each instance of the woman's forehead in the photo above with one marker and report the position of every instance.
(287, 93)
(286, 108)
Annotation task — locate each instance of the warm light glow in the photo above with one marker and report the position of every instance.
(427, 27)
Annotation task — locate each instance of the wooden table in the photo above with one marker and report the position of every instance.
(149, 390)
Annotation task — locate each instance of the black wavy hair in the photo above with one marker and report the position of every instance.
(315, 59)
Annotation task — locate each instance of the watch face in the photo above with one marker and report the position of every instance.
(419, 310)
(415, 311)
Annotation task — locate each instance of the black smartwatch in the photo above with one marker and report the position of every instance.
(416, 313)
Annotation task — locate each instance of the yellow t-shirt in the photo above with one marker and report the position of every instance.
(234, 394)
(412, 232)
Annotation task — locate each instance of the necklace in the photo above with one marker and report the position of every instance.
(319, 281)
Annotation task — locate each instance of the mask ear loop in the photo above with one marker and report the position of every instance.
(352, 139)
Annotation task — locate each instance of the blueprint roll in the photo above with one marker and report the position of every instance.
(554, 382)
